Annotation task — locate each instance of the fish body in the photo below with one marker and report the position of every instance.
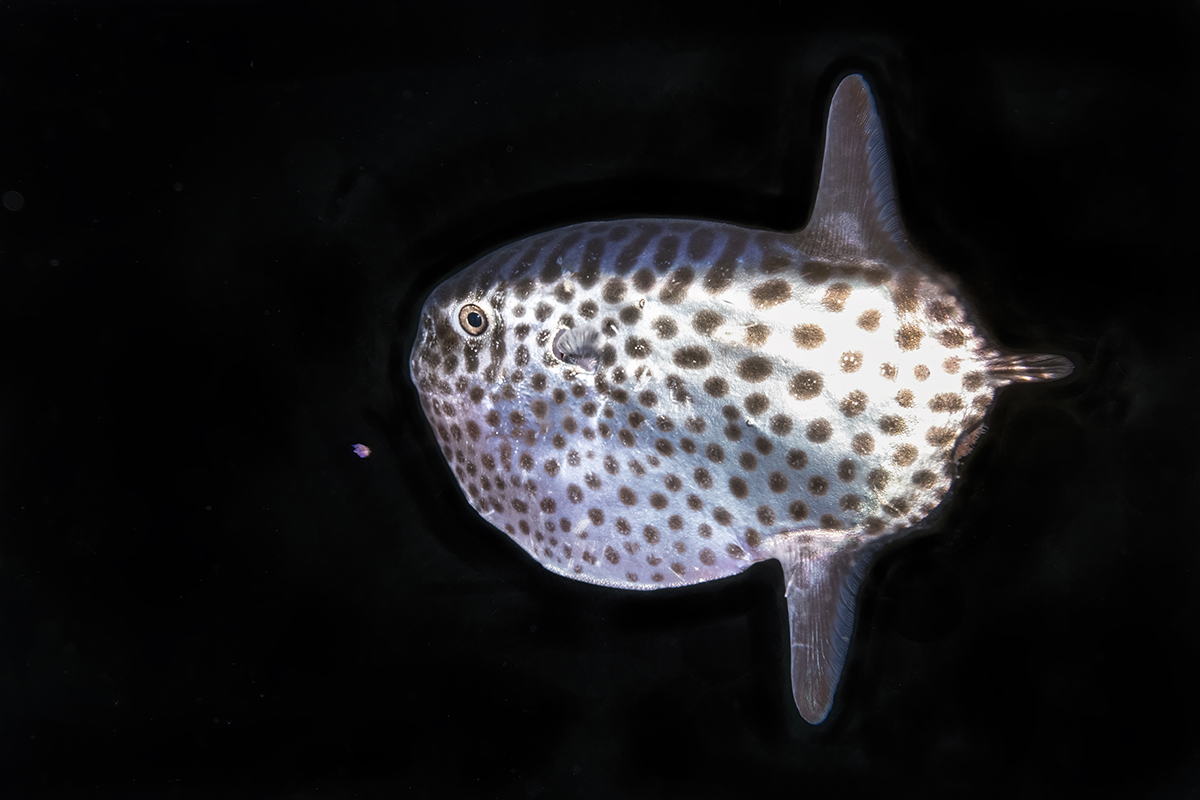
(651, 403)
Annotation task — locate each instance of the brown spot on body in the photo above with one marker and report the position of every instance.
(703, 478)
(854, 403)
(904, 455)
(722, 516)
(705, 322)
(757, 403)
(781, 424)
(818, 431)
(830, 523)
(905, 294)
(924, 478)
(715, 452)
(757, 334)
(658, 501)
(666, 253)
(707, 557)
(629, 255)
(814, 272)
(817, 485)
(951, 338)
(851, 361)
(939, 437)
(677, 285)
(850, 502)
(650, 534)
(611, 555)
(905, 398)
(643, 280)
(836, 296)
(808, 336)
(892, 425)
(665, 328)
(973, 381)
(878, 479)
(596, 516)
(716, 386)
(869, 320)
(771, 293)
(797, 459)
(777, 482)
(692, 357)
(754, 369)
(773, 263)
(946, 402)
(766, 515)
(721, 275)
(738, 488)
(636, 347)
(614, 291)
(797, 510)
(627, 496)
(806, 385)
(909, 337)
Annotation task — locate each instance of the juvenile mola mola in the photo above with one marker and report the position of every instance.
(650, 403)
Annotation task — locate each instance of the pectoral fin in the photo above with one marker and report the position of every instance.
(822, 578)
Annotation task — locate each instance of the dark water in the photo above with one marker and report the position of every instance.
(225, 219)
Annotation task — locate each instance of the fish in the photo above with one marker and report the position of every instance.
(652, 403)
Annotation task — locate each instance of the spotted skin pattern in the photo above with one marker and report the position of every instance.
(659, 402)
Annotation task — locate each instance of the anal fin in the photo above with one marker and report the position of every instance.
(822, 574)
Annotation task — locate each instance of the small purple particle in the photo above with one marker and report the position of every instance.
(361, 450)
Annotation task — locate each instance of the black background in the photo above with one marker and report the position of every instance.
(231, 214)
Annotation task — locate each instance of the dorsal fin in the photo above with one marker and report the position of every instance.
(822, 574)
(855, 214)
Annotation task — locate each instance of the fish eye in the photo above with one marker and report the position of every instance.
(473, 319)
